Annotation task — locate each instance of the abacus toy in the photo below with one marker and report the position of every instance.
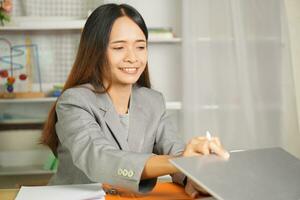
(25, 76)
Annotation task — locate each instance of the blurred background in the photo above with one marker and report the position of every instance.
(231, 67)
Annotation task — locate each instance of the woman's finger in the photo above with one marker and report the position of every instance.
(202, 147)
(190, 150)
(197, 140)
(217, 141)
(219, 150)
(197, 146)
(201, 138)
(191, 190)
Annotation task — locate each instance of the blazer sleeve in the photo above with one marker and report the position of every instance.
(99, 158)
(167, 142)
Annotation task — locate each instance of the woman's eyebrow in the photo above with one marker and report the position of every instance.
(118, 41)
(124, 41)
(141, 40)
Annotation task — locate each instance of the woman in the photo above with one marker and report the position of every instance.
(108, 126)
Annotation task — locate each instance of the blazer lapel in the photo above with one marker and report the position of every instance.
(112, 120)
(137, 122)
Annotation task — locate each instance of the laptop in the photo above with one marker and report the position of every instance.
(270, 173)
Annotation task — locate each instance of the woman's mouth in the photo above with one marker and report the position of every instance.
(129, 70)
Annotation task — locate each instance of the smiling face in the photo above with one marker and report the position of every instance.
(127, 52)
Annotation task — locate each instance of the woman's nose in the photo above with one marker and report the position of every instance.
(130, 56)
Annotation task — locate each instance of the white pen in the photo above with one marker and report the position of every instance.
(208, 136)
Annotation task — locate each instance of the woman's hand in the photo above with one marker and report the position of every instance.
(202, 146)
(194, 190)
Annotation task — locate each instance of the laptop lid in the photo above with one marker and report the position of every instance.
(270, 173)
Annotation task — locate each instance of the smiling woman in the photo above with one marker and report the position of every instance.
(108, 125)
(127, 52)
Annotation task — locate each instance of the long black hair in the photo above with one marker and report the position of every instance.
(90, 64)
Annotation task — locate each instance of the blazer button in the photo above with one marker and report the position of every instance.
(120, 172)
(125, 172)
(130, 173)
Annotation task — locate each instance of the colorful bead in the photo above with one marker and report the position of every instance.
(4, 73)
(23, 77)
(11, 80)
(10, 88)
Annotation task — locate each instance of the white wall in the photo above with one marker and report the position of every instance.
(293, 14)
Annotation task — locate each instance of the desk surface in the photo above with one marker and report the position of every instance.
(161, 191)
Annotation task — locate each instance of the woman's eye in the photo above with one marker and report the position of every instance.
(141, 47)
(117, 48)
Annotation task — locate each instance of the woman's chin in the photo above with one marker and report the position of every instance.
(127, 82)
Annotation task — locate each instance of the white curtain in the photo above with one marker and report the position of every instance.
(237, 75)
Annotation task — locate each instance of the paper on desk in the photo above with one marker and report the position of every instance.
(62, 192)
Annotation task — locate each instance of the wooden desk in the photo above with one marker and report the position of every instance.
(8, 194)
(162, 191)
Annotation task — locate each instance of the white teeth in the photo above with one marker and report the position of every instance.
(129, 70)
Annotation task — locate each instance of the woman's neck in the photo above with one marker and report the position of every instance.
(120, 96)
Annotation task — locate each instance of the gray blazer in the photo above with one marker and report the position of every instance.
(93, 146)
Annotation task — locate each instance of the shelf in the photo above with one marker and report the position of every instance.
(21, 121)
(43, 23)
(29, 100)
(24, 170)
(164, 40)
(22, 126)
(171, 105)
(60, 23)
(38, 124)
(229, 39)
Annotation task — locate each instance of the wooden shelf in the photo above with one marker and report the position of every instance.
(21, 126)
